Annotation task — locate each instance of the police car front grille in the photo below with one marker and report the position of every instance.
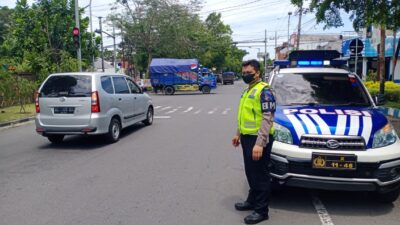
(343, 142)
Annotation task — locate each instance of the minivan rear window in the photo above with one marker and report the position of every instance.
(67, 86)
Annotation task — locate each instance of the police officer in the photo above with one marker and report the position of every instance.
(255, 134)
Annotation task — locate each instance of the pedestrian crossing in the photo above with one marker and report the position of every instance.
(191, 110)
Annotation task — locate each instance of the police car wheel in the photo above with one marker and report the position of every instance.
(388, 197)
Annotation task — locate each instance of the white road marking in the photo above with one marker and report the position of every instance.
(188, 110)
(162, 117)
(212, 111)
(172, 111)
(165, 108)
(157, 107)
(226, 111)
(197, 112)
(321, 210)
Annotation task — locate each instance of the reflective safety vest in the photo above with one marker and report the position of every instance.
(250, 110)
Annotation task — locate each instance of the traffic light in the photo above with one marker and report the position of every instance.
(75, 35)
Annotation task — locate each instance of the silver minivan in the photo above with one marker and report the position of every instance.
(90, 104)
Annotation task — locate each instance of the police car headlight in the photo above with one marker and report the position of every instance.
(384, 137)
(282, 134)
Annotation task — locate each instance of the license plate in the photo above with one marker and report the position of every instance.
(334, 161)
(64, 110)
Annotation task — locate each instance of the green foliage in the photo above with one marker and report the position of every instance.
(392, 90)
(362, 12)
(37, 39)
(372, 76)
(5, 22)
(161, 28)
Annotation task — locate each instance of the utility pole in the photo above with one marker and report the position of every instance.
(288, 30)
(299, 27)
(102, 48)
(276, 42)
(78, 51)
(115, 51)
(265, 53)
(91, 31)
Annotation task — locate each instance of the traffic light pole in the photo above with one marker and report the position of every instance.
(78, 50)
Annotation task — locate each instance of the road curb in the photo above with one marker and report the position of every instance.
(393, 112)
(15, 122)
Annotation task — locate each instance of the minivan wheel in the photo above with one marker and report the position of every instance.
(206, 90)
(149, 119)
(388, 197)
(169, 90)
(55, 138)
(114, 130)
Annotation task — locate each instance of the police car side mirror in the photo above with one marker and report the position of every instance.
(379, 99)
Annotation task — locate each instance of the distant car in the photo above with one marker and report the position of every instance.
(90, 104)
(228, 78)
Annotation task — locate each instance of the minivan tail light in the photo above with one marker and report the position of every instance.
(95, 102)
(37, 102)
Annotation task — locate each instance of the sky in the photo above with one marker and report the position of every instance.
(248, 20)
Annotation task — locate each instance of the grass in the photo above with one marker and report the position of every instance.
(392, 104)
(12, 113)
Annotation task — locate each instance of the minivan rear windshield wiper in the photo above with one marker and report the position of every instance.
(79, 94)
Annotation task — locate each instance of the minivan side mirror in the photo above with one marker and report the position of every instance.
(379, 99)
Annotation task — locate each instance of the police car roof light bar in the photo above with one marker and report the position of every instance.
(281, 63)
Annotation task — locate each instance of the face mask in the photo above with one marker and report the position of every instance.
(248, 77)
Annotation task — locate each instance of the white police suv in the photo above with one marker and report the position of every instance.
(329, 133)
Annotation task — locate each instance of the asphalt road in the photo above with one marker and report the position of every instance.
(180, 170)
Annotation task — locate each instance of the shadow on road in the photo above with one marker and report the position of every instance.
(88, 142)
(336, 202)
(353, 203)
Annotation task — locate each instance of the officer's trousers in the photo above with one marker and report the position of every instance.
(257, 173)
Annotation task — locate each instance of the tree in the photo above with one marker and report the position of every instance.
(5, 22)
(161, 28)
(363, 13)
(41, 35)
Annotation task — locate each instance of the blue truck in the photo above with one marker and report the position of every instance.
(171, 75)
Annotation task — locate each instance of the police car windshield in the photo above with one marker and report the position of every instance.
(319, 89)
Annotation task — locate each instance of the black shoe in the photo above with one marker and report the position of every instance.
(243, 206)
(255, 218)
